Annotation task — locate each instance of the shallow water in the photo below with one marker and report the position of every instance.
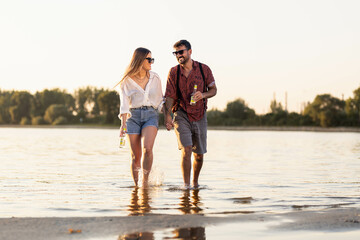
(81, 172)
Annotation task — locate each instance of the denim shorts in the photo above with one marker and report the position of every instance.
(141, 118)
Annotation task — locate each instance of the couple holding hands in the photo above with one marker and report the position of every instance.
(141, 100)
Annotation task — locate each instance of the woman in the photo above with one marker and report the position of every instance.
(141, 99)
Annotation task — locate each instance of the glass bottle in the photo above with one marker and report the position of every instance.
(192, 101)
(122, 139)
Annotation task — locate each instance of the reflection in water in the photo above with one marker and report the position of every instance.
(189, 204)
(197, 233)
(137, 236)
(140, 202)
(139, 206)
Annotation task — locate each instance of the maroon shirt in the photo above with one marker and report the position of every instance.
(186, 85)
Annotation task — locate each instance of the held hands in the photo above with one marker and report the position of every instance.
(169, 122)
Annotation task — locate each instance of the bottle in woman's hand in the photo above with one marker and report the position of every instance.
(122, 138)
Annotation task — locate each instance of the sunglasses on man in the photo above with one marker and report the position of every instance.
(150, 60)
(179, 52)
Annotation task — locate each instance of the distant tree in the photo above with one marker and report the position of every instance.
(5, 103)
(326, 111)
(21, 102)
(55, 111)
(38, 120)
(47, 97)
(60, 121)
(276, 107)
(69, 101)
(351, 112)
(274, 119)
(96, 108)
(237, 111)
(215, 117)
(84, 101)
(109, 105)
(352, 108)
(25, 121)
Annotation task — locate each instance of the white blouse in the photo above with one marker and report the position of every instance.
(134, 96)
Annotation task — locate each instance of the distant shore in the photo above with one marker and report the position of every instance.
(222, 128)
(285, 128)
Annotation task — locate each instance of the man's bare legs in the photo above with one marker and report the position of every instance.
(186, 164)
(197, 165)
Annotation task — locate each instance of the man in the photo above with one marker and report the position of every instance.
(189, 119)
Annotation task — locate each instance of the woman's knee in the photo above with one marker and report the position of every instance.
(147, 151)
(135, 158)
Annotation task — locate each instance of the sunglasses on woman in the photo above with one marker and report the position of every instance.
(150, 60)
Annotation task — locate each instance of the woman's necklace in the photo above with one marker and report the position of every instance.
(141, 79)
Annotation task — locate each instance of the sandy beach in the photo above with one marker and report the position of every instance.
(331, 221)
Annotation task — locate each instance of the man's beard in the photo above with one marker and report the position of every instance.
(184, 61)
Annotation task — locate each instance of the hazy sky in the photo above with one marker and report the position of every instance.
(254, 48)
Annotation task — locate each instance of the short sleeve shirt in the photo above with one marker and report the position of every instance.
(186, 86)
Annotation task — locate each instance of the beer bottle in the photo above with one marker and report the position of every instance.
(122, 139)
(192, 101)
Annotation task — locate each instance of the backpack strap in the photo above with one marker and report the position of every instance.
(205, 87)
(203, 76)
(178, 92)
(177, 81)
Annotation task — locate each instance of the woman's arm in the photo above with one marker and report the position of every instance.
(124, 110)
(123, 128)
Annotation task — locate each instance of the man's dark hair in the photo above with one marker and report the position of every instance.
(182, 43)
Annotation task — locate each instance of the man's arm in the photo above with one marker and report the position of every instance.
(169, 103)
(210, 93)
(212, 90)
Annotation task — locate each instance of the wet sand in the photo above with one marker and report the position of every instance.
(331, 221)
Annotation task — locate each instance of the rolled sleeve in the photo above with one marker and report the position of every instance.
(159, 108)
(210, 81)
(161, 96)
(171, 84)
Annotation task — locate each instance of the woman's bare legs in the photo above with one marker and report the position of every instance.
(148, 135)
(135, 146)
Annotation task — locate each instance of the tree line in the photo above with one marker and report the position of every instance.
(324, 111)
(91, 105)
(55, 106)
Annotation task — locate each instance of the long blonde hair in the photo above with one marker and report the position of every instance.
(135, 63)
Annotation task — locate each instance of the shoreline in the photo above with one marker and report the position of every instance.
(216, 128)
(330, 220)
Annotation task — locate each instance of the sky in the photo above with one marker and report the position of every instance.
(258, 50)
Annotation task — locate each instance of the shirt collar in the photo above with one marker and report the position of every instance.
(194, 65)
